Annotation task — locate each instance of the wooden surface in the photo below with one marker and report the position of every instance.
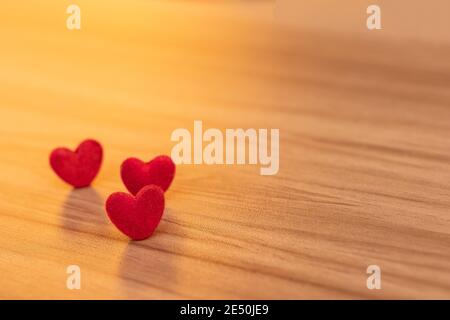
(364, 165)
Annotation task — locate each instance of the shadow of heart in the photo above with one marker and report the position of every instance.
(147, 267)
(83, 211)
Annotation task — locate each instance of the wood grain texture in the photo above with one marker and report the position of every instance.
(364, 165)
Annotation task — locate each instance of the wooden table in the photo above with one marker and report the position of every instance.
(364, 165)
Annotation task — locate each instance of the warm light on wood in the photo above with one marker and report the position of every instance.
(364, 173)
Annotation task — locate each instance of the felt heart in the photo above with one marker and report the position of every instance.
(78, 168)
(136, 216)
(137, 174)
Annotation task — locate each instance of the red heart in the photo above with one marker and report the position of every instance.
(137, 174)
(136, 216)
(78, 168)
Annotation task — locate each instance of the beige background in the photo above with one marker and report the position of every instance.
(415, 20)
(365, 152)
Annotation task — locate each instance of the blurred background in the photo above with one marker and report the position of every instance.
(364, 119)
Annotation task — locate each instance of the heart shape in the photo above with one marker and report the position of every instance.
(137, 174)
(136, 216)
(78, 168)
